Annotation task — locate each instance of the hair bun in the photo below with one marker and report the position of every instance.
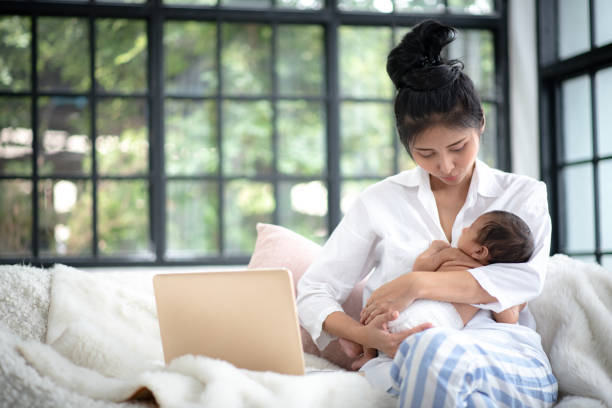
(416, 63)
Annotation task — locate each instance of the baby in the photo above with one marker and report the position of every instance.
(496, 236)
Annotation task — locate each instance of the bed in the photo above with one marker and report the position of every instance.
(74, 338)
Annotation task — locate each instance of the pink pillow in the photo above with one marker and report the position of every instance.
(277, 246)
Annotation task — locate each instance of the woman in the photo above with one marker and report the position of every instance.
(439, 120)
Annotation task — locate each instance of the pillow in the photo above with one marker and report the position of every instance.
(277, 246)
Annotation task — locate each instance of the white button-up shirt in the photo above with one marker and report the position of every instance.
(395, 220)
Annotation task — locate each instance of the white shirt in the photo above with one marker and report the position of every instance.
(395, 220)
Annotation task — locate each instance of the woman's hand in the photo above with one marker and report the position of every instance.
(376, 333)
(395, 295)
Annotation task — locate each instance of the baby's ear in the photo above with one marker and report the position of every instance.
(481, 253)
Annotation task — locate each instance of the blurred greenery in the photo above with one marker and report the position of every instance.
(246, 3)
(16, 222)
(299, 65)
(15, 136)
(15, 42)
(302, 207)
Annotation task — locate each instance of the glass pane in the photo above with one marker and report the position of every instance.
(15, 218)
(65, 145)
(246, 203)
(247, 138)
(122, 144)
(63, 54)
(574, 27)
(577, 123)
(488, 141)
(301, 137)
(606, 262)
(585, 258)
(245, 58)
(121, 55)
(381, 6)
(123, 218)
(350, 190)
(363, 58)
(299, 64)
(302, 208)
(191, 137)
(405, 162)
(194, 2)
(471, 6)
(603, 28)
(192, 221)
(603, 95)
(419, 6)
(476, 49)
(246, 3)
(366, 132)
(605, 203)
(579, 218)
(65, 213)
(15, 38)
(190, 62)
(300, 4)
(15, 136)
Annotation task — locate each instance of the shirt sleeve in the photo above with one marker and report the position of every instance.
(346, 258)
(516, 283)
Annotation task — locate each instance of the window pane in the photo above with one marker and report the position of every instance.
(246, 58)
(405, 162)
(64, 125)
(366, 138)
(123, 218)
(577, 123)
(247, 138)
(122, 144)
(65, 217)
(471, 6)
(194, 2)
(15, 39)
(603, 29)
(121, 55)
(299, 65)
(488, 141)
(585, 258)
(419, 6)
(15, 136)
(363, 58)
(192, 222)
(246, 3)
(574, 27)
(301, 137)
(15, 218)
(191, 137)
(350, 190)
(300, 4)
(63, 54)
(190, 50)
(302, 208)
(603, 95)
(381, 6)
(606, 262)
(579, 218)
(476, 49)
(246, 203)
(605, 203)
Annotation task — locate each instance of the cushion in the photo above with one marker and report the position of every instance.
(277, 247)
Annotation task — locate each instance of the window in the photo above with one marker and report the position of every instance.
(161, 132)
(576, 101)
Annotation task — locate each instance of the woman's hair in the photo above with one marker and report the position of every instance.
(431, 90)
(507, 237)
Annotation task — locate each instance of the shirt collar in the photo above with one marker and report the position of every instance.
(483, 177)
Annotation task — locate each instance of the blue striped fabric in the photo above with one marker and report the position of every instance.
(443, 367)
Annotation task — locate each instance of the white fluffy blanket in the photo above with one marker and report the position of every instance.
(574, 318)
(103, 342)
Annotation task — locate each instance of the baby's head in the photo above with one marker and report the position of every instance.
(497, 236)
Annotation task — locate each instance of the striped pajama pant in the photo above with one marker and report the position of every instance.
(443, 367)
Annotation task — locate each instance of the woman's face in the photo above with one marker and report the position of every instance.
(448, 155)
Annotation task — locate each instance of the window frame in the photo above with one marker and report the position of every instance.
(155, 14)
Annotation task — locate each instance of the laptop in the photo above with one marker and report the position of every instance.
(246, 317)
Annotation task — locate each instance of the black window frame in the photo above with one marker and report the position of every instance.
(155, 14)
(552, 72)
